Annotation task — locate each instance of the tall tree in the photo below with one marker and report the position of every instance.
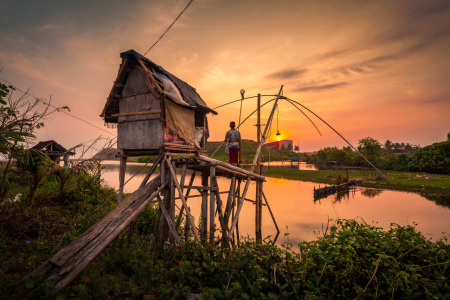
(370, 148)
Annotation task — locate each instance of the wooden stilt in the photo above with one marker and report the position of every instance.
(239, 206)
(212, 208)
(122, 168)
(273, 218)
(172, 204)
(235, 205)
(223, 225)
(186, 207)
(186, 196)
(230, 199)
(204, 211)
(169, 222)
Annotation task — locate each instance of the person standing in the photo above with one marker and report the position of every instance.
(233, 148)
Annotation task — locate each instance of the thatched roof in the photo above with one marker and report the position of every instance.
(57, 148)
(131, 58)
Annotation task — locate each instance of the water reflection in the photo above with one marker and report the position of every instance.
(302, 218)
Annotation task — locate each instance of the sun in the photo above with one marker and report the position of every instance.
(279, 139)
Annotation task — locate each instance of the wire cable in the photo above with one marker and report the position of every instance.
(59, 110)
(168, 27)
(342, 138)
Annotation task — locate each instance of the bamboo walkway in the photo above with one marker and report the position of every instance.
(65, 265)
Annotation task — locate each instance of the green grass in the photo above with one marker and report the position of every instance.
(403, 181)
(247, 152)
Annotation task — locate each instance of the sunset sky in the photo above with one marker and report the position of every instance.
(369, 68)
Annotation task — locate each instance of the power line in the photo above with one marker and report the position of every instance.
(47, 103)
(169, 27)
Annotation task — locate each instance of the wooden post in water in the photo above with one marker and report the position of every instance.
(212, 207)
(123, 166)
(258, 206)
(204, 212)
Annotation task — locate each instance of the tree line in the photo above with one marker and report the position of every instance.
(434, 158)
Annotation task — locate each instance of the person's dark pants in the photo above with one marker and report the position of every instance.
(234, 155)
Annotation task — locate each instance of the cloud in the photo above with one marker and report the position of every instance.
(318, 88)
(440, 99)
(333, 53)
(429, 10)
(381, 61)
(287, 74)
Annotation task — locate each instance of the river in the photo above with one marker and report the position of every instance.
(300, 218)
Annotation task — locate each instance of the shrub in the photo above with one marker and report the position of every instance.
(432, 159)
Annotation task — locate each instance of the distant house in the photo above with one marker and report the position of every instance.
(281, 145)
(53, 150)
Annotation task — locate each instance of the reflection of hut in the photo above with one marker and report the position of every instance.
(53, 150)
(153, 109)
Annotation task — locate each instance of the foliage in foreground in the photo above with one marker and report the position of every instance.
(350, 259)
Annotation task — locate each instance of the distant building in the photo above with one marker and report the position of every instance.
(281, 145)
(53, 150)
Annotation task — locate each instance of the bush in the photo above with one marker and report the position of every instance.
(432, 159)
(395, 162)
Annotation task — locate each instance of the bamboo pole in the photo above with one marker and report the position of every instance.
(212, 174)
(122, 168)
(230, 199)
(258, 208)
(273, 218)
(169, 222)
(137, 113)
(204, 209)
(152, 169)
(229, 167)
(191, 181)
(186, 207)
(258, 150)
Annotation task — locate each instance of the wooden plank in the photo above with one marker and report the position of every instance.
(206, 188)
(103, 240)
(139, 135)
(137, 113)
(67, 252)
(179, 145)
(234, 173)
(228, 166)
(139, 103)
(135, 84)
(169, 222)
(186, 207)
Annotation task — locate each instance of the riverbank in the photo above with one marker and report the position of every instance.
(433, 184)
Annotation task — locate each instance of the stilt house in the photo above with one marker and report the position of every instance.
(53, 150)
(154, 109)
